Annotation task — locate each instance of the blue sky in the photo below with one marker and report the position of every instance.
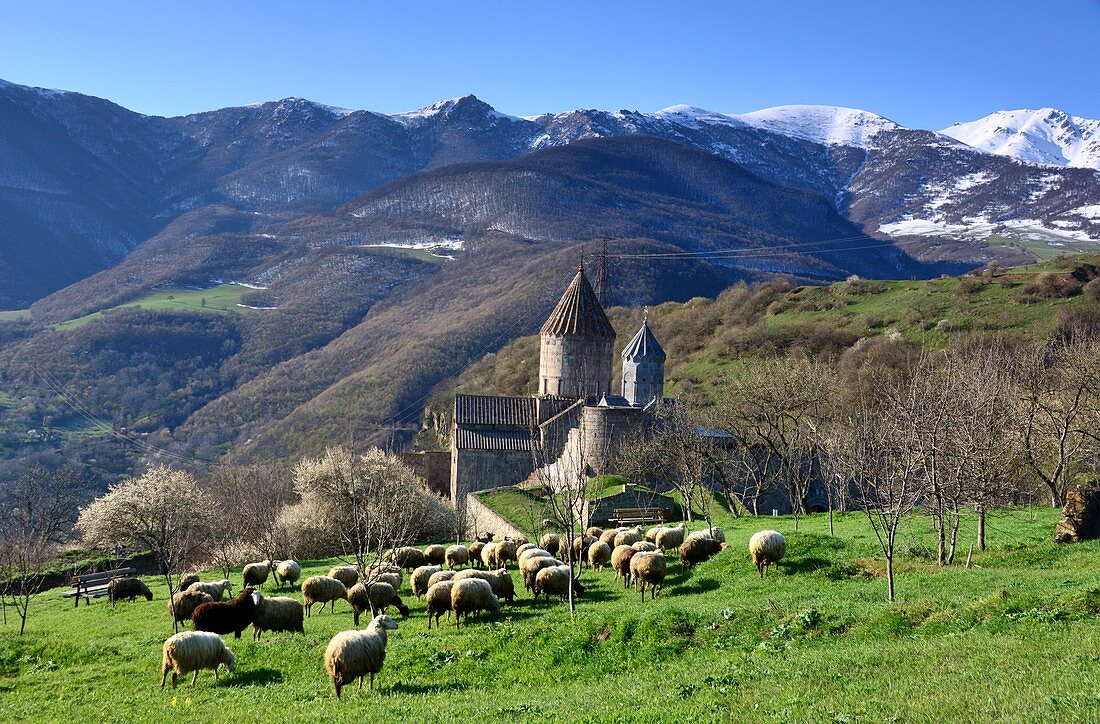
(923, 64)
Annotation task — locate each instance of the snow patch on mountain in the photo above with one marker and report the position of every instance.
(822, 124)
(980, 228)
(1046, 136)
(443, 108)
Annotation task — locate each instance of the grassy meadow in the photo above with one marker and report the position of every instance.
(221, 299)
(1016, 637)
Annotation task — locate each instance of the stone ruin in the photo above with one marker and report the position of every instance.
(1080, 516)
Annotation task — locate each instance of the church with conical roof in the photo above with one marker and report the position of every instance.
(576, 418)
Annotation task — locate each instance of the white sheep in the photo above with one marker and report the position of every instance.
(644, 546)
(440, 576)
(472, 595)
(767, 547)
(530, 568)
(418, 581)
(352, 655)
(648, 568)
(670, 538)
(255, 574)
(278, 613)
(599, 555)
(375, 597)
(322, 589)
(555, 581)
(214, 589)
(347, 575)
(457, 555)
(438, 599)
(287, 572)
(534, 553)
(193, 651)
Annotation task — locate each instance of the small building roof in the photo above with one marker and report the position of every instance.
(644, 347)
(613, 401)
(579, 312)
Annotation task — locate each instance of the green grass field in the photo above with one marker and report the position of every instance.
(1016, 637)
(15, 315)
(216, 300)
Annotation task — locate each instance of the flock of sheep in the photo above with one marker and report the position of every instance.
(459, 580)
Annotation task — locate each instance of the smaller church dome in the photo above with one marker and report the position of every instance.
(644, 347)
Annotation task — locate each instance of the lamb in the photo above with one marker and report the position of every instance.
(670, 538)
(697, 548)
(190, 651)
(644, 546)
(233, 616)
(472, 595)
(550, 543)
(418, 581)
(375, 597)
(599, 555)
(435, 554)
(407, 557)
(354, 654)
(530, 567)
(628, 537)
(620, 561)
(649, 568)
(440, 576)
(457, 555)
(439, 601)
(287, 572)
(184, 603)
(322, 589)
(278, 613)
(187, 580)
(767, 547)
(555, 580)
(128, 588)
(215, 589)
(344, 574)
(255, 574)
(475, 553)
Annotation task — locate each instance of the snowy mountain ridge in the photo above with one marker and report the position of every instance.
(1047, 136)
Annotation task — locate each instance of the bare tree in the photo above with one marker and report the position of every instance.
(164, 511)
(37, 510)
(372, 502)
(1059, 398)
(249, 500)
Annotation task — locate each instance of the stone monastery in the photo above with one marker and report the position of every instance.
(576, 419)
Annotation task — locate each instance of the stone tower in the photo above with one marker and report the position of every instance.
(643, 368)
(578, 342)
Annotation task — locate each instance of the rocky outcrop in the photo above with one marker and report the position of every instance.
(1080, 516)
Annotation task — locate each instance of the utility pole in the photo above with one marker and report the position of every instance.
(601, 285)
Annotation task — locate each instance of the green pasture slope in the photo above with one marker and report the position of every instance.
(1016, 637)
(221, 299)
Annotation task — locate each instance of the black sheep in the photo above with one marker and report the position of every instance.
(232, 616)
(128, 588)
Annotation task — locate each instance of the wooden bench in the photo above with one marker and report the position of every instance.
(94, 585)
(628, 516)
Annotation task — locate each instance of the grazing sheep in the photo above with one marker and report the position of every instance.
(457, 555)
(475, 553)
(526, 547)
(599, 555)
(644, 546)
(699, 547)
(384, 573)
(533, 553)
(488, 554)
(407, 558)
(347, 575)
(608, 536)
(194, 651)
(519, 540)
(767, 547)
(215, 589)
(471, 573)
(651, 534)
(184, 603)
(628, 537)
(278, 613)
(484, 538)
(620, 561)
(551, 543)
(229, 617)
(581, 544)
(670, 538)
(255, 574)
(435, 554)
(530, 567)
(594, 531)
(322, 589)
(440, 576)
(374, 597)
(502, 584)
(287, 572)
(128, 588)
(649, 568)
(352, 655)
(505, 551)
(472, 595)
(186, 581)
(418, 581)
(555, 581)
(439, 601)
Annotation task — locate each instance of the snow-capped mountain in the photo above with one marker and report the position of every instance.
(822, 124)
(1047, 136)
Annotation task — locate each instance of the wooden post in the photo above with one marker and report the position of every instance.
(969, 554)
